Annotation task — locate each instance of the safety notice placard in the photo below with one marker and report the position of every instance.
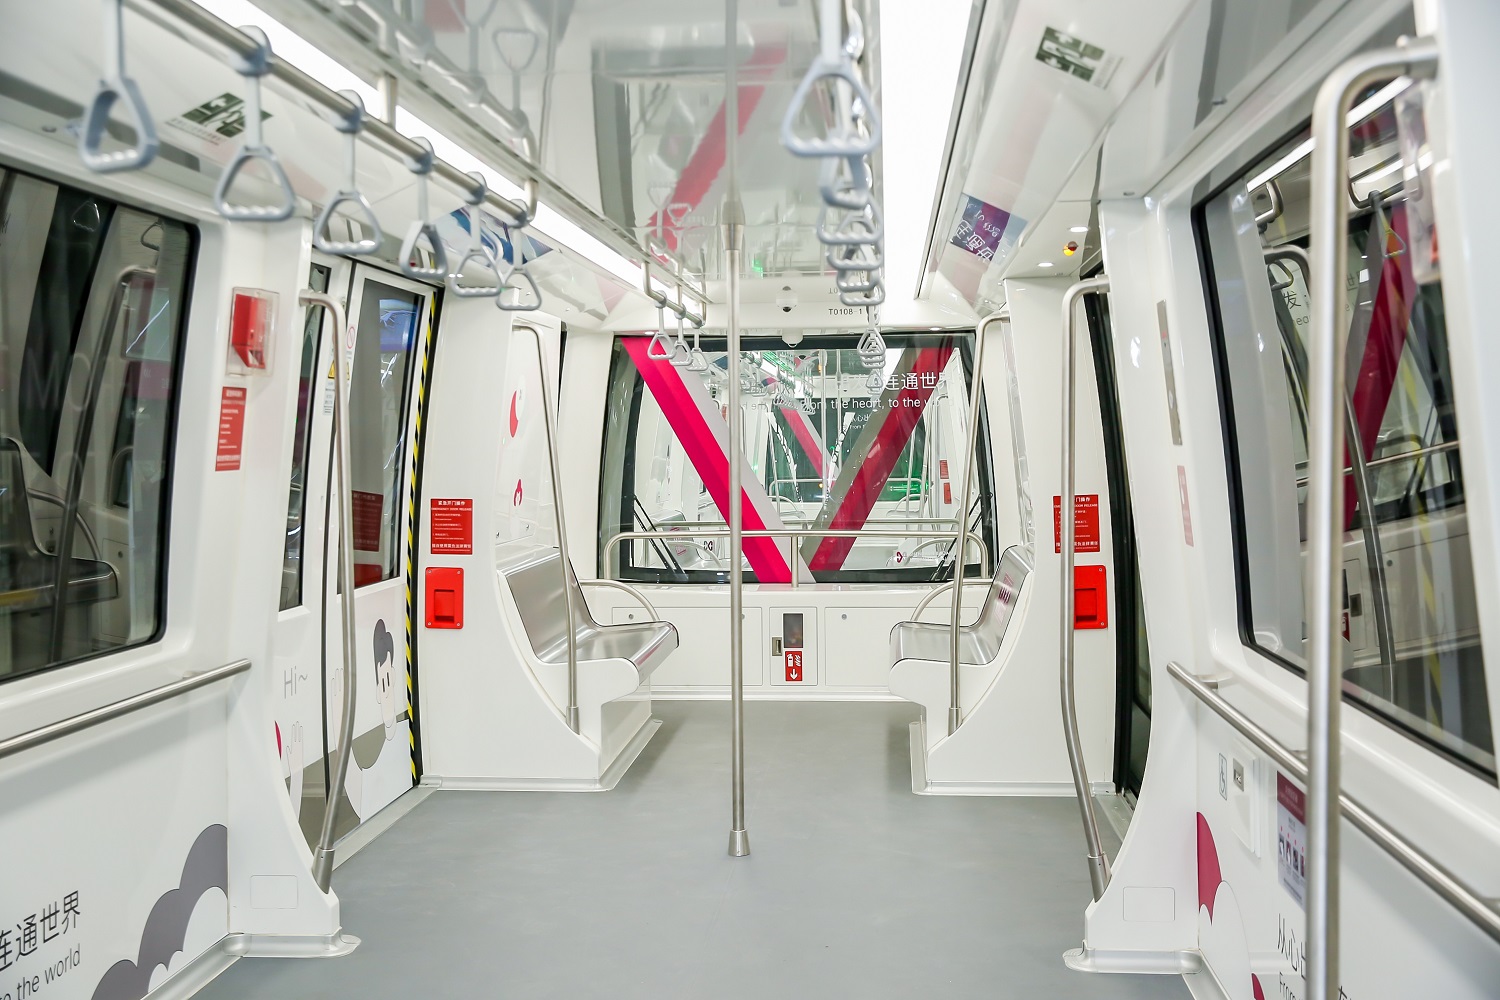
(231, 428)
(368, 511)
(452, 527)
(1085, 523)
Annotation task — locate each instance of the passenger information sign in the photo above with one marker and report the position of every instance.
(452, 531)
(1085, 523)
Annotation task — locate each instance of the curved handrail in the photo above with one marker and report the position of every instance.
(570, 578)
(627, 588)
(113, 86)
(422, 228)
(322, 868)
(77, 723)
(87, 408)
(253, 67)
(350, 125)
(1327, 349)
(1067, 545)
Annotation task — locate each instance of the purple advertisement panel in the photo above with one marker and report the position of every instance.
(984, 229)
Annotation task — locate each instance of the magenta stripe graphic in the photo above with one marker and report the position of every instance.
(700, 426)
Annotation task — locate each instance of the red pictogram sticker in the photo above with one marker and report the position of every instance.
(794, 666)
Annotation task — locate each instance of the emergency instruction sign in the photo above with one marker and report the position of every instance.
(452, 527)
(1085, 523)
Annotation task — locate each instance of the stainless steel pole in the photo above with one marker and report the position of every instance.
(570, 579)
(323, 857)
(1325, 487)
(960, 539)
(734, 245)
(1098, 860)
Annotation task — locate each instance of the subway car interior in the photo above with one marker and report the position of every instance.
(748, 499)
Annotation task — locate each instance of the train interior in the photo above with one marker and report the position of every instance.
(748, 498)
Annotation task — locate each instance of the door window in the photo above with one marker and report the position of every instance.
(385, 349)
(92, 299)
(1411, 649)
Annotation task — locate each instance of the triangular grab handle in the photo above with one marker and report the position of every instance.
(850, 144)
(521, 304)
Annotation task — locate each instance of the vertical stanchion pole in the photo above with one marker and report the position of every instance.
(1067, 546)
(961, 533)
(734, 240)
(1327, 350)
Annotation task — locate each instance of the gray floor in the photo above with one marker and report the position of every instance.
(856, 887)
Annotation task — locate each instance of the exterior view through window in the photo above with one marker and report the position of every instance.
(92, 301)
(1411, 650)
(833, 440)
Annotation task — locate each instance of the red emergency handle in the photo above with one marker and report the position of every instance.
(445, 597)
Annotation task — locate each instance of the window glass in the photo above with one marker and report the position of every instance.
(92, 297)
(1411, 650)
(308, 384)
(383, 354)
(832, 441)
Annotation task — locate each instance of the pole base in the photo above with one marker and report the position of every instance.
(573, 718)
(739, 843)
(953, 721)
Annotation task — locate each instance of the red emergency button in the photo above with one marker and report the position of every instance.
(445, 597)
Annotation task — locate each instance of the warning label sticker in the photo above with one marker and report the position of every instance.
(231, 429)
(451, 529)
(1085, 523)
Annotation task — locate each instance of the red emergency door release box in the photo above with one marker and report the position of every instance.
(445, 597)
(1090, 597)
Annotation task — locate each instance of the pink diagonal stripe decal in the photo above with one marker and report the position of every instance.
(699, 425)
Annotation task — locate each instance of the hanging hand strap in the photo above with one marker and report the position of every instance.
(253, 68)
(422, 228)
(482, 257)
(350, 126)
(114, 86)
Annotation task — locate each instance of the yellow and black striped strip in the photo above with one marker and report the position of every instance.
(413, 509)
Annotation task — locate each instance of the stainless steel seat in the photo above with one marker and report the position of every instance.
(978, 643)
(536, 581)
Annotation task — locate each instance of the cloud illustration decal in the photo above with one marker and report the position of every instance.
(206, 867)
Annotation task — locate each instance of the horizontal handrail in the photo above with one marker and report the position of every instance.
(1434, 875)
(77, 723)
(1401, 456)
(632, 536)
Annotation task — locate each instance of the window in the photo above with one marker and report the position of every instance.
(1411, 652)
(383, 354)
(307, 396)
(830, 444)
(92, 301)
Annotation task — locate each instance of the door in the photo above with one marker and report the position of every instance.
(388, 322)
(1132, 657)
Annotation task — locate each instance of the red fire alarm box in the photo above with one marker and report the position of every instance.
(1090, 598)
(445, 597)
(252, 318)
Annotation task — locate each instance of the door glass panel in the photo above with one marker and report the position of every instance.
(307, 395)
(1411, 649)
(383, 355)
(832, 441)
(92, 296)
